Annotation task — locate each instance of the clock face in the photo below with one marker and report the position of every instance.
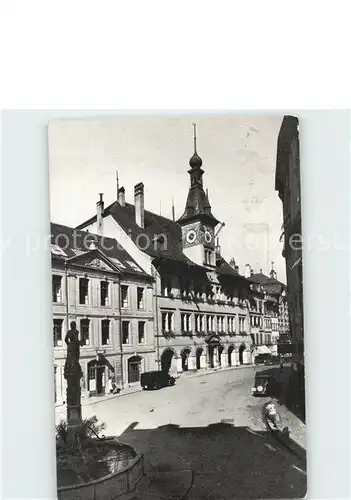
(190, 236)
(208, 236)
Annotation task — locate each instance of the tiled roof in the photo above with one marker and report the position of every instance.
(263, 279)
(67, 242)
(267, 282)
(156, 225)
(197, 206)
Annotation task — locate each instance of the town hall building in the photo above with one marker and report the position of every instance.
(201, 311)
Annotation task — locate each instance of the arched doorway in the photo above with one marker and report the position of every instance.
(230, 354)
(166, 360)
(220, 350)
(199, 353)
(185, 359)
(96, 377)
(241, 353)
(211, 349)
(134, 365)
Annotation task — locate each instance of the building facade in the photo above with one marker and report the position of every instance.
(287, 183)
(200, 301)
(274, 319)
(99, 286)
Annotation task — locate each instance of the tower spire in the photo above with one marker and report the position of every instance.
(195, 151)
(195, 161)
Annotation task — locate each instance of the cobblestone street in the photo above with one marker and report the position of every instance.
(209, 425)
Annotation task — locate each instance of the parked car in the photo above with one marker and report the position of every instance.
(266, 385)
(156, 380)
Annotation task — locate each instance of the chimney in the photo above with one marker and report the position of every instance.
(273, 274)
(117, 184)
(173, 210)
(121, 196)
(247, 271)
(99, 215)
(251, 272)
(139, 204)
(236, 269)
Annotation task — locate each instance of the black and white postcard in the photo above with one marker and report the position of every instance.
(178, 338)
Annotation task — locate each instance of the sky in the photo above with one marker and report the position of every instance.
(238, 154)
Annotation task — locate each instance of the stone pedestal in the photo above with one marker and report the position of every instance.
(73, 374)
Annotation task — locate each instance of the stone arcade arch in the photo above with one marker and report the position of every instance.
(220, 352)
(214, 350)
(199, 353)
(185, 359)
(231, 361)
(242, 348)
(167, 359)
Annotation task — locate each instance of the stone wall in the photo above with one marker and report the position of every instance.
(109, 487)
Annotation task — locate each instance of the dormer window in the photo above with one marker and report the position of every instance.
(160, 242)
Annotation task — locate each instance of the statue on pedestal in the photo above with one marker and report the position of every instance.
(73, 373)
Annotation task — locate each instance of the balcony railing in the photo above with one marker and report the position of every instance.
(200, 333)
(168, 334)
(187, 333)
(221, 302)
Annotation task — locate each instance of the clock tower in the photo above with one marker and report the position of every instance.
(197, 222)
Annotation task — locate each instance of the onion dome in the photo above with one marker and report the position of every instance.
(195, 161)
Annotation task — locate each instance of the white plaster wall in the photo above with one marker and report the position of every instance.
(113, 230)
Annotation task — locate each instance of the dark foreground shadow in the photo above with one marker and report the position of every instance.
(228, 462)
(286, 392)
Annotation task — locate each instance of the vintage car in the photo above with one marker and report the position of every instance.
(156, 380)
(265, 385)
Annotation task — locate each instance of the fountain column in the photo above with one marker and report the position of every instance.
(73, 373)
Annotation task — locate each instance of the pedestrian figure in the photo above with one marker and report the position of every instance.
(281, 363)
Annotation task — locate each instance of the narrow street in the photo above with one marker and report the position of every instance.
(213, 424)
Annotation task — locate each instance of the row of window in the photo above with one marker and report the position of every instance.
(208, 257)
(263, 339)
(256, 321)
(202, 323)
(85, 332)
(268, 324)
(105, 293)
(256, 305)
(187, 287)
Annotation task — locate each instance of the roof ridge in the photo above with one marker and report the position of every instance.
(71, 228)
(153, 213)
